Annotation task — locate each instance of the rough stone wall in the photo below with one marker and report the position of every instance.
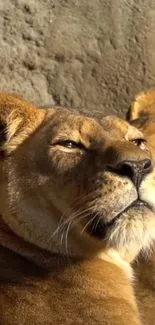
(94, 54)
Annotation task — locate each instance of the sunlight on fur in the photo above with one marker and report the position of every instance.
(77, 206)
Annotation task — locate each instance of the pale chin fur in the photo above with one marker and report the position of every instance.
(131, 235)
(128, 240)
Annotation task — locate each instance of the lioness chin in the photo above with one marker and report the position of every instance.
(142, 115)
(76, 209)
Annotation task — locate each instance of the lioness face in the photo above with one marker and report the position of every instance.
(75, 184)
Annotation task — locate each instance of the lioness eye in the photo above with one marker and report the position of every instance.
(138, 142)
(70, 144)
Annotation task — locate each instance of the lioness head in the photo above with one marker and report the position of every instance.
(73, 184)
(142, 115)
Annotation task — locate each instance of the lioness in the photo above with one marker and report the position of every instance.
(76, 208)
(142, 115)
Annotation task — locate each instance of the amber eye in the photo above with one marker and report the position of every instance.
(70, 144)
(138, 142)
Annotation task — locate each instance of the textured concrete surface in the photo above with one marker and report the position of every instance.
(93, 54)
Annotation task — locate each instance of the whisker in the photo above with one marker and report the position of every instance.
(75, 220)
(97, 222)
(69, 226)
(88, 224)
(74, 216)
(83, 198)
(66, 236)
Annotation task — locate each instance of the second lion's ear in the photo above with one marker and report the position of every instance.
(18, 119)
(143, 105)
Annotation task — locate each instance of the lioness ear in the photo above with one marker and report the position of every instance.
(143, 105)
(18, 119)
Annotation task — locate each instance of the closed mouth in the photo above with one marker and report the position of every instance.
(99, 231)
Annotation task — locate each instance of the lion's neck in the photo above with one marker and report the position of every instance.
(44, 259)
(16, 244)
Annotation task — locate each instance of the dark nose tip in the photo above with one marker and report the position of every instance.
(135, 170)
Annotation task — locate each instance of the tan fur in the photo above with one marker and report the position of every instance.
(142, 115)
(67, 231)
(143, 105)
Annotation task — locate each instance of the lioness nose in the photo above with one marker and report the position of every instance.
(135, 170)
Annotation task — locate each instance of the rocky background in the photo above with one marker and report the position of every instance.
(93, 54)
